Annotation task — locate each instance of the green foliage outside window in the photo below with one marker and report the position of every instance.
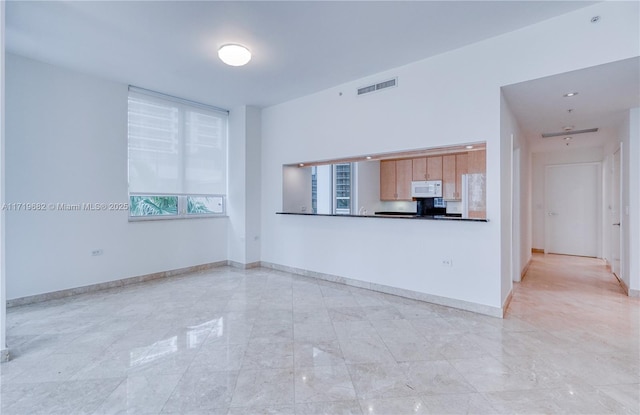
(153, 205)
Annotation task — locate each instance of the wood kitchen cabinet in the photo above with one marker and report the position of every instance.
(477, 165)
(388, 180)
(419, 169)
(449, 177)
(453, 167)
(461, 168)
(427, 168)
(434, 168)
(395, 179)
(477, 161)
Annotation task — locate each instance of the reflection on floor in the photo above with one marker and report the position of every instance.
(260, 341)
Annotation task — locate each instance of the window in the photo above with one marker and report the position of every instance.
(342, 188)
(314, 189)
(331, 188)
(177, 157)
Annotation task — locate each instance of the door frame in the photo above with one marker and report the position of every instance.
(621, 217)
(599, 214)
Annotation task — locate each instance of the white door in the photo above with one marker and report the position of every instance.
(571, 194)
(614, 220)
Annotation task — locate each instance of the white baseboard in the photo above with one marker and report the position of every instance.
(507, 302)
(111, 284)
(400, 292)
(4, 355)
(240, 265)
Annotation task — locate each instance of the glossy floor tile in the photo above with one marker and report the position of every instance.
(230, 341)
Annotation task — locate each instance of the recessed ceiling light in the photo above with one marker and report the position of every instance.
(234, 55)
(568, 138)
(469, 147)
(368, 157)
(570, 94)
(301, 164)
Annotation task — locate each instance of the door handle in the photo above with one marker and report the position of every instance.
(552, 214)
(616, 224)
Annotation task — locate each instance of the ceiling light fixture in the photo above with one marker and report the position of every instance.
(568, 138)
(573, 132)
(468, 147)
(234, 55)
(301, 165)
(368, 157)
(570, 94)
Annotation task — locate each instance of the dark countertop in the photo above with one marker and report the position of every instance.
(391, 215)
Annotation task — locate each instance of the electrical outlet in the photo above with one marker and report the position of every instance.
(447, 262)
(97, 252)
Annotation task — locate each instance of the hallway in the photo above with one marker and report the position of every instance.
(561, 292)
(580, 304)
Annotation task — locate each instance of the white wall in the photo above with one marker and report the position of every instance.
(297, 198)
(630, 214)
(448, 99)
(67, 143)
(3, 290)
(244, 194)
(253, 183)
(368, 186)
(324, 189)
(521, 208)
(539, 161)
(508, 129)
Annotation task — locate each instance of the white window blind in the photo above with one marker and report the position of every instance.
(175, 146)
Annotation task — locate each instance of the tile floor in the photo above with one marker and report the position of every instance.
(228, 341)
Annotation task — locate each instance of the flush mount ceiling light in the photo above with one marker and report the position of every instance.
(234, 55)
(570, 94)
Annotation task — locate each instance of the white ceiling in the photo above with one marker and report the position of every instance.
(299, 47)
(605, 94)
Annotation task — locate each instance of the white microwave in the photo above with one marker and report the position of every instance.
(429, 188)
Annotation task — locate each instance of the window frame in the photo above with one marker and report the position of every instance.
(182, 205)
(182, 198)
(334, 190)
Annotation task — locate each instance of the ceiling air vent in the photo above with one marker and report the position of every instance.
(569, 131)
(378, 86)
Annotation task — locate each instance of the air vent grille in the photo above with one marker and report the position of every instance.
(569, 132)
(376, 87)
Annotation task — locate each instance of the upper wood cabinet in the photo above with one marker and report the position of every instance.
(434, 168)
(395, 179)
(477, 161)
(403, 179)
(427, 168)
(453, 167)
(461, 168)
(419, 169)
(388, 180)
(449, 177)
(477, 164)
(396, 175)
